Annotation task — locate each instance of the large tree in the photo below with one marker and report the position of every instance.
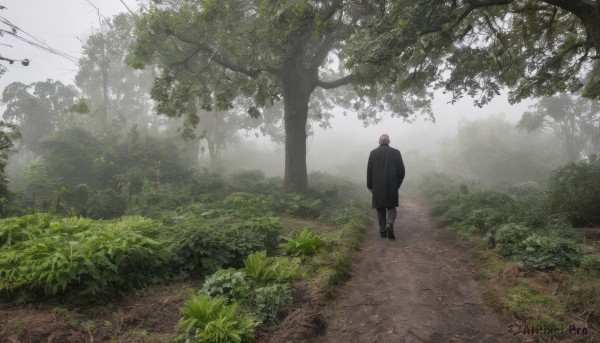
(397, 51)
(211, 52)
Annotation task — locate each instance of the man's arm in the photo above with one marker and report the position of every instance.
(400, 171)
(370, 172)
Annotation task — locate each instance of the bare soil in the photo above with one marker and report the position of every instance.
(150, 316)
(418, 288)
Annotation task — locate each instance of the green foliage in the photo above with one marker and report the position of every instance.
(269, 300)
(7, 133)
(529, 209)
(509, 239)
(545, 253)
(296, 204)
(591, 264)
(493, 207)
(104, 177)
(246, 204)
(229, 283)
(574, 190)
(45, 255)
(266, 270)
(203, 245)
(208, 320)
(303, 243)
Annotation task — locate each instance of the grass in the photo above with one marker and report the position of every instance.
(534, 307)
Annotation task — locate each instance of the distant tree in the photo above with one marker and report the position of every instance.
(7, 133)
(573, 120)
(115, 92)
(37, 109)
(493, 151)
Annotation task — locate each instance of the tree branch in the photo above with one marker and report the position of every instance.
(323, 51)
(335, 83)
(221, 60)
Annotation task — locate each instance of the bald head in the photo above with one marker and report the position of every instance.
(384, 139)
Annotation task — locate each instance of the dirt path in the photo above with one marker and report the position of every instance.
(419, 288)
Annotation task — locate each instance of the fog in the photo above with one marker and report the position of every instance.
(341, 150)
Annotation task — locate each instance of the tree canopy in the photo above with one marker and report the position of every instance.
(476, 47)
(394, 53)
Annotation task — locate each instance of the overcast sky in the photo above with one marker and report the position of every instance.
(63, 24)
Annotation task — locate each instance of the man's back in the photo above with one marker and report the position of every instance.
(385, 173)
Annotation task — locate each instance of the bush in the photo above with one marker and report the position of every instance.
(229, 283)
(574, 190)
(459, 207)
(545, 253)
(154, 199)
(81, 257)
(303, 243)
(509, 239)
(265, 270)
(591, 264)
(208, 320)
(296, 205)
(202, 246)
(268, 301)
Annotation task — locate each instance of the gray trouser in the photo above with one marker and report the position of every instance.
(386, 215)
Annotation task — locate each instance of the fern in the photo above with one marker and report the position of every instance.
(304, 243)
(209, 320)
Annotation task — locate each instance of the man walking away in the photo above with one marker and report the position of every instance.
(385, 173)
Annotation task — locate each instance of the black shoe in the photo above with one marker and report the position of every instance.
(390, 235)
(390, 232)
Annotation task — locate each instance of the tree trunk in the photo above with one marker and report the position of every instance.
(298, 83)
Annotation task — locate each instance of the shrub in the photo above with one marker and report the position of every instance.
(202, 246)
(245, 205)
(229, 283)
(269, 270)
(544, 253)
(574, 190)
(527, 192)
(268, 301)
(509, 239)
(459, 207)
(591, 264)
(208, 320)
(296, 204)
(303, 243)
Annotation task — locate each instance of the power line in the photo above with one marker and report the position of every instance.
(34, 41)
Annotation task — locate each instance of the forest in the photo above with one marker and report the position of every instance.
(176, 188)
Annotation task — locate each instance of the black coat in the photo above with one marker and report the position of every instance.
(385, 173)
